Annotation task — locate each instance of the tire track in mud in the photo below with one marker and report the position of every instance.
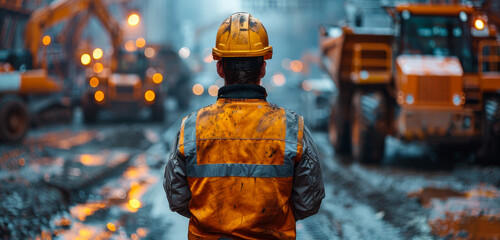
(373, 200)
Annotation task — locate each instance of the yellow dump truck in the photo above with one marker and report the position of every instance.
(434, 76)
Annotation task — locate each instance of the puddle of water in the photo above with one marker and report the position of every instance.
(91, 160)
(461, 225)
(474, 214)
(426, 195)
(63, 140)
(121, 196)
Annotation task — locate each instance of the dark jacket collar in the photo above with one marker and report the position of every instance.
(242, 91)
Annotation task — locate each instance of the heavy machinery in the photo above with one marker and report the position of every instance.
(125, 90)
(124, 87)
(26, 89)
(433, 77)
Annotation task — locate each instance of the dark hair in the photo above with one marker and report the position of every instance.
(242, 70)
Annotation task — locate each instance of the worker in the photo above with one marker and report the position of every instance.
(243, 168)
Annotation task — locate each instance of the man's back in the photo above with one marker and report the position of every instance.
(243, 168)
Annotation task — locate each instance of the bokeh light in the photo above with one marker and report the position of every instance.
(133, 19)
(85, 59)
(278, 79)
(198, 89)
(130, 46)
(111, 227)
(149, 96)
(213, 90)
(94, 82)
(140, 42)
(184, 52)
(97, 53)
(46, 40)
(157, 78)
(479, 24)
(98, 67)
(99, 96)
(134, 203)
(296, 66)
(149, 52)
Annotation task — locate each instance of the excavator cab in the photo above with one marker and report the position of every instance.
(132, 63)
(18, 59)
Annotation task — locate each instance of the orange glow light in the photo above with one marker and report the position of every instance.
(479, 24)
(85, 233)
(134, 203)
(149, 95)
(157, 78)
(133, 19)
(209, 58)
(130, 46)
(213, 90)
(98, 67)
(140, 42)
(85, 59)
(198, 89)
(149, 52)
(296, 66)
(94, 82)
(279, 79)
(306, 86)
(142, 232)
(97, 53)
(46, 40)
(99, 96)
(111, 227)
(91, 160)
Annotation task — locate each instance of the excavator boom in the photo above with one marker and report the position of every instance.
(58, 11)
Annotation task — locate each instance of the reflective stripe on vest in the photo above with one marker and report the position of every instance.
(188, 147)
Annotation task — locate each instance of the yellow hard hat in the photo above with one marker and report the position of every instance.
(242, 35)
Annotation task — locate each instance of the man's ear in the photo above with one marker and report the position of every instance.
(220, 69)
(263, 70)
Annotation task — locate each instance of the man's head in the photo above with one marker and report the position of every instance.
(242, 47)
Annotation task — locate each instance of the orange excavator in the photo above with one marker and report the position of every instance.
(433, 77)
(26, 89)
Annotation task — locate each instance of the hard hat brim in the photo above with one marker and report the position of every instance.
(266, 52)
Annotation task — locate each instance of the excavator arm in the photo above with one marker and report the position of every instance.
(64, 9)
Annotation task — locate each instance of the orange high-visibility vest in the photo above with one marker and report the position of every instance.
(240, 156)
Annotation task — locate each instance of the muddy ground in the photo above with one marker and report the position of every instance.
(105, 181)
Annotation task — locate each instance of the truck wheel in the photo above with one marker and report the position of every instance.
(158, 110)
(369, 127)
(14, 119)
(339, 126)
(489, 152)
(90, 109)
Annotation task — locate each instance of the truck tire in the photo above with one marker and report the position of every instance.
(339, 126)
(489, 152)
(158, 110)
(90, 109)
(14, 120)
(369, 127)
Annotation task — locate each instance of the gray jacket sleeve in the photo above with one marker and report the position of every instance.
(175, 182)
(308, 189)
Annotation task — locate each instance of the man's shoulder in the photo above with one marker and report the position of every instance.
(288, 112)
(195, 113)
